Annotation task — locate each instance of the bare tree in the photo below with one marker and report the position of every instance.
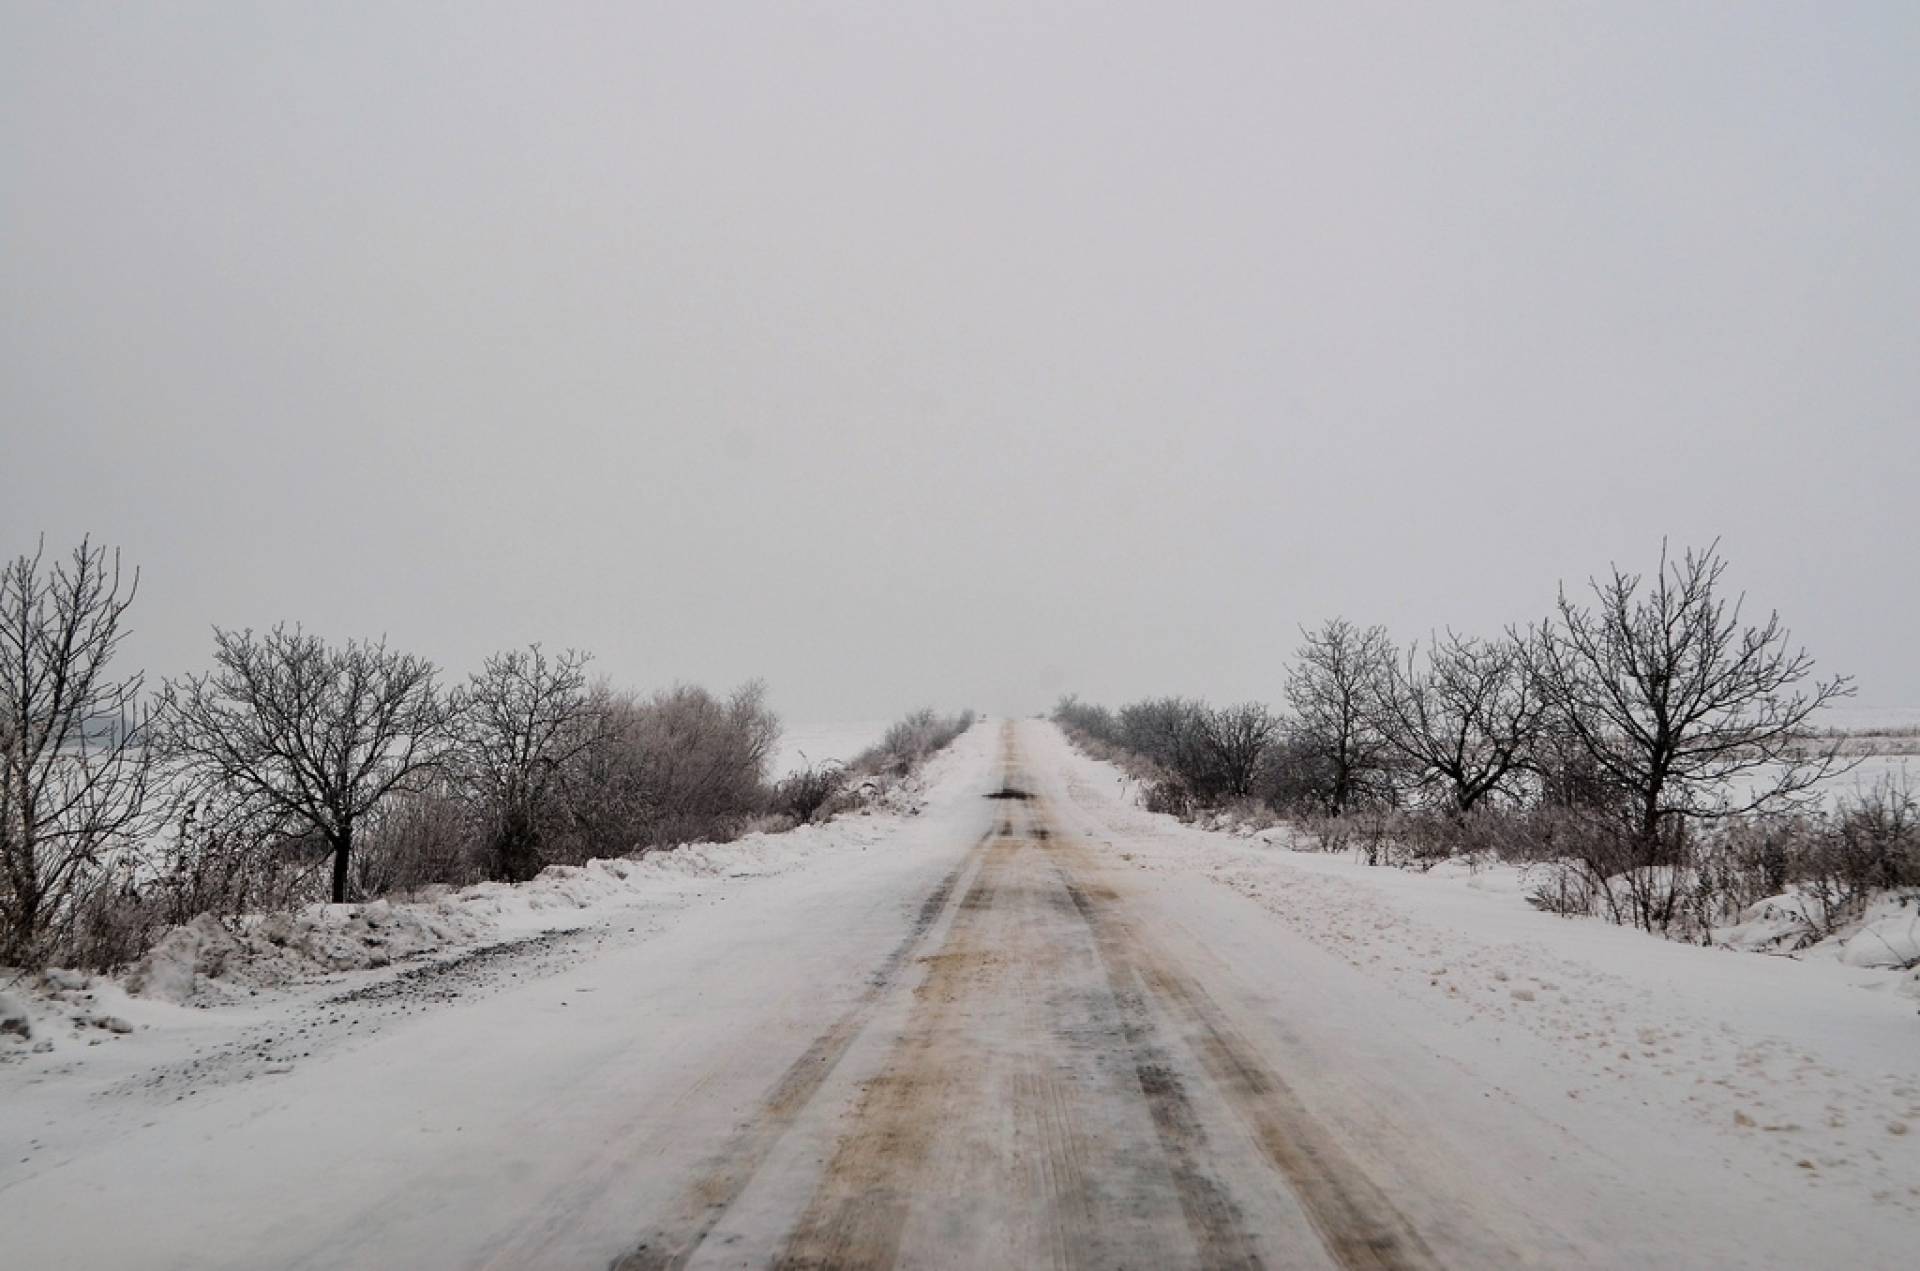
(1465, 716)
(525, 719)
(322, 734)
(1334, 690)
(1686, 709)
(1234, 741)
(73, 760)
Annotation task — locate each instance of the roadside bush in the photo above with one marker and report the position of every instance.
(1294, 776)
(681, 766)
(810, 793)
(1871, 844)
(215, 858)
(1364, 834)
(520, 723)
(911, 741)
(1191, 755)
(421, 838)
(1082, 719)
(1096, 731)
(1158, 730)
(1168, 795)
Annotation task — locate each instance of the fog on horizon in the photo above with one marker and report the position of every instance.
(961, 356)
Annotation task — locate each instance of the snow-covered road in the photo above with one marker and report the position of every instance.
(1030, 1026)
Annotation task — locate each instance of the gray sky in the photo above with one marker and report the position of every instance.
(964, 353)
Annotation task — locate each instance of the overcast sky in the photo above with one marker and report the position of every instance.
(962, 353)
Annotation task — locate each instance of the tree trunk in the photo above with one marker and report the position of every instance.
(1650, 846)
(19, 946)
(342, 853)
(517, 855)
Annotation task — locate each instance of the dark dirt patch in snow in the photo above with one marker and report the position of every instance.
(455, 977)
(276, 1048)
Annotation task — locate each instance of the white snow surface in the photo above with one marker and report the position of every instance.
(1855, 717)
(1757, 1068)
(1589, 1095)
(811, 745)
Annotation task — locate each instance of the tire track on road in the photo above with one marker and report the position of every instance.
(1214, 1221)
(713, 1193)
(1355, 1220)
(1005, 928)
(863, 1199)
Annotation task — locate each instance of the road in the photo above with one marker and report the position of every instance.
(989, 1041)
(1056, 1087)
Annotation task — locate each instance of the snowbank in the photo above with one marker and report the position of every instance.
(210, 960)
(1889, 937)
(15, 1021)
(206, 956)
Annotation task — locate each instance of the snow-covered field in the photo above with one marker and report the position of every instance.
(804, 745)
(1045, 1031)
(1855, 718)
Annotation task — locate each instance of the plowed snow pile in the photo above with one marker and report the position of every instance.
(212, 961)
(209, 960)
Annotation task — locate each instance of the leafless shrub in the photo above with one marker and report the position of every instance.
(1194, 755)
(1565, 891)
(210, 859)
(1085, 720)
(1295, 775)
(1757, 857)
(1367, 835)
(810, 793)
(1322, 833)
(1168, 795)
(1871, 844)
(1566, 776)
(1590, 861)
(422, 837)
(681, 766)
(911, 740)
(1163, 731)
